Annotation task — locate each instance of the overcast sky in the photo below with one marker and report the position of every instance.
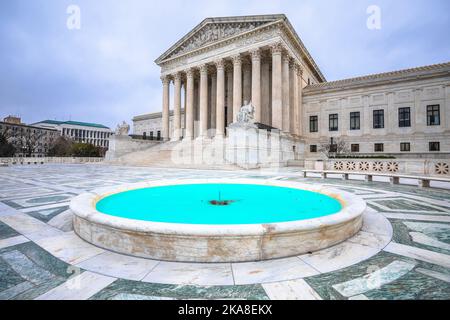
(105, 72)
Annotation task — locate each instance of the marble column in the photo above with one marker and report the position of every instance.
(277, 97)
(300, 116)
(247, 82)
(177, 108)
(220, 120)
(165, 112)
(229, 74)
(189, 112)
(213, 100)
(256, 83)
(237, 85)
(266, 113)
(203, 101)
(184, 106)
(285, 92)
(294, 100)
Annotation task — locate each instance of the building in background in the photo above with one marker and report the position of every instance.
(28, 140)
(149, 126)
(225, 62)
(84, 132)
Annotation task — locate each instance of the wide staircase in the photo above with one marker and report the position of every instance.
(162, 156)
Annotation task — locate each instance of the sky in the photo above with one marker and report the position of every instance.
(104, 72)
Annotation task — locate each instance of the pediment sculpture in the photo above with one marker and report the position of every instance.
(215, 32)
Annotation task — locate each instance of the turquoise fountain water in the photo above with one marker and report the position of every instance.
(219, 204)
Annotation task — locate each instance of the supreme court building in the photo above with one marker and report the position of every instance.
(224, 63)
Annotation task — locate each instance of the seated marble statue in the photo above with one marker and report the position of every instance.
(123, 129)
(246, 113)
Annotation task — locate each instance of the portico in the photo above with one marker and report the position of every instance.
(225, 62)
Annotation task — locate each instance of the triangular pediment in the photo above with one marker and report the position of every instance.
(217, 29)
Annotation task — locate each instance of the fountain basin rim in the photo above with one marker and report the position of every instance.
(84, 207)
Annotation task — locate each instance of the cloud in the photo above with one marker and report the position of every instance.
(105, 72)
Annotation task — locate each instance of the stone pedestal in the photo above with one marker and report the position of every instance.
(243, 145)
(250, 147)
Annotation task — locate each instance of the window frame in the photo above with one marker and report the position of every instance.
(333, 122)
(377, 115)
(403, 144)
(435, 108)
(375, 145)
(404, 122)
(353, 145)
(355, 120)
(313, 120)
(436, 143)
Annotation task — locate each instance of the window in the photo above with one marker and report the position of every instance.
(313, 148)
(433, 115)
(404, 117)
(158, 135)
(151, 135)
(355, 147)
(435, 146)
(355, 121)
(313, 124)
(334, 122)
(378, 119)
(405, 147)
(379, 147)
(144, 136)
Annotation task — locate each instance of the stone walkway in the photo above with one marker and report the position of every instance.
(403, 251)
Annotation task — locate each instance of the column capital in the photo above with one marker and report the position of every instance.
(203, 69)
(177, 76)
(299, 69)
(286, 58)
(220, 64)
(165, 79)
(256, 54)
(293, 64)
(237, 59)
(189, 72)
(276, 48)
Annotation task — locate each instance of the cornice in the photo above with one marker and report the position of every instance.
(284, 27)
(419, 73)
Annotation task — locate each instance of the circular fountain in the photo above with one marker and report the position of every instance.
(217, 220)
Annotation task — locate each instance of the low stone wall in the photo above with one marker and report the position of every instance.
(30, 161)
(427, 167)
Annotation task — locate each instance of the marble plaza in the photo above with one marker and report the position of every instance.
(401, 252)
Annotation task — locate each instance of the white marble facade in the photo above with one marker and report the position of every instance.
(224, 62)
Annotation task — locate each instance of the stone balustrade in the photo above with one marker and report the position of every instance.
(43, 160)
(428, 167)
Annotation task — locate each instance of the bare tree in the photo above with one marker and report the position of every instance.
(26, 140)
(335, 148)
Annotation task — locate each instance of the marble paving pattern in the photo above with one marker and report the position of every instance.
(42, 258)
